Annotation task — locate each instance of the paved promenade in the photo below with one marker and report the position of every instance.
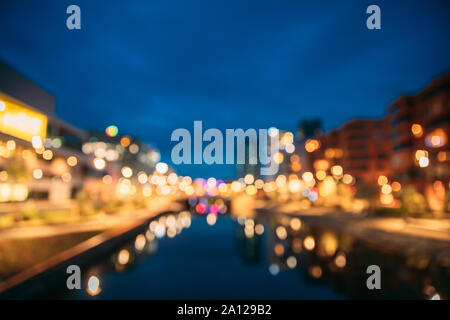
(100, 223)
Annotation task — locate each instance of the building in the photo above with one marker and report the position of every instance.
(302, 160)
(118, 161)
(250, 165)
(40, 155)
(47, 160)
(419, 126)
(309, 128)
(409, 145)
(361, 146)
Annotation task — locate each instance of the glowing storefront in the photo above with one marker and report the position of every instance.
(20, 121)
(27, 168)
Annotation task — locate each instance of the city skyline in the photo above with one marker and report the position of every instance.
(283, 65)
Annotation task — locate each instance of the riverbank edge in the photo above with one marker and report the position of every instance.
(30, 282)
(397, 242)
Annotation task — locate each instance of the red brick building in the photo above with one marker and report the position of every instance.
(421, 122)
(409, 145)
(361, 147)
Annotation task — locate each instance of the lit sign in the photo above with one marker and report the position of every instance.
(20, 121)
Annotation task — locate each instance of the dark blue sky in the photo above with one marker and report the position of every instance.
(153, 66)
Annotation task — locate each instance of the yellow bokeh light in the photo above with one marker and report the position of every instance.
(123, 257)
(327, 245)
(327, 187)
(382, 180)
(321, 164)
(140, 242)
(290, 148)
(295, 224)
(268, 187)
(259, 229)
(211, 219)
(386, 199)
(294, 185)
(142, 177)
(281, 181)
(340, 260)
(47, 155)
(347, 179)
(172, 178)
(386, 189)
(147, 191)
(287, 138)
(321, 175)
(107, 179)
(312, 145)
(251, 190)
(249, 178)
(37, 174)
(337, 170)
(11, 145)
(259, 183)
(281, 232)
(307, 176)
(309, 243)
(99, 163)
(161, 167)
(420, 154)
(417, 130)
(278, 157)
(127, 172)
(72, 161)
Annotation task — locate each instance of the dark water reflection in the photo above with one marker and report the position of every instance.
(262, 258)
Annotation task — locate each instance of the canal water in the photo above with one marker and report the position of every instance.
(190, 256)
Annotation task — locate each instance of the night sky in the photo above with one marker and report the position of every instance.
(151, 66)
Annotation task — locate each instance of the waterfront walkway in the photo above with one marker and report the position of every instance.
(410, 236)
(97, 223)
